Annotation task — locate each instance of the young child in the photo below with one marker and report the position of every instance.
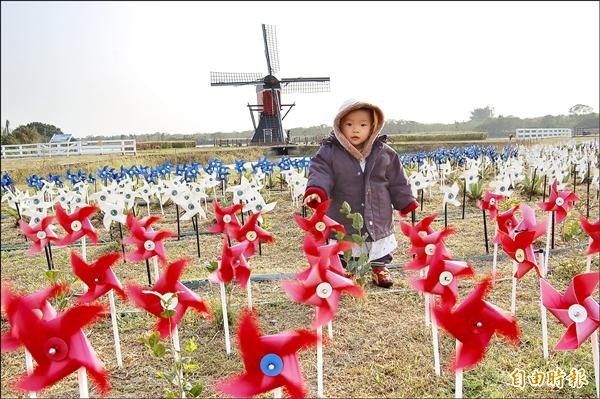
(354, 164)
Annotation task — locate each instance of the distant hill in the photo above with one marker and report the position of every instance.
(497, 126)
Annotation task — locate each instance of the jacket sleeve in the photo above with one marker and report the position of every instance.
(320, 174)
(400, 191)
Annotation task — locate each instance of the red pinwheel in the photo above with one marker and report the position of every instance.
(77, 224)
(13, 303)
(473, 323)
(270, 361)
(41, 234)
(425, 246)
(233, 264)
(324, 256)
(520, 248)
(418, 230)
(253, 233)
(576, 309)
(490, 203)
(442, 279)
(168, 293)
(320, 225)
(149, 243)
(227, 221)
(322, 288)
(58, 345)
(98, 276)
(507, 222)
(529, 224)
(559, 201)
(593, 230)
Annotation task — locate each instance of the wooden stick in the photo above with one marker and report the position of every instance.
(84, 391)
(225, 320)
(436, 346)
(319, 360)
(513, 296)
(29, 367)
(458, 375)
(115, 327)
(543, 314)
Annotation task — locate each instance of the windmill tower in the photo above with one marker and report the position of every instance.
(269, 107)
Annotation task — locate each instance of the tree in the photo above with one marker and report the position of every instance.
(580, 109)
(480, 114)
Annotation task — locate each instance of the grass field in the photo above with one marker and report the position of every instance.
(381, 346)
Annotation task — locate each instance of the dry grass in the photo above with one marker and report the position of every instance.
(381, 346)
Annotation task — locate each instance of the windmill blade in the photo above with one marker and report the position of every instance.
(271, 52)
(235, 78)
(305, 85)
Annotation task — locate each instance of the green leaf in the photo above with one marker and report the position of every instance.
(196, 390)
(345, 209)
(170, 395)
(52, 275)
(167, 313)
(170, 376)
(357, 221)
(191, 345)
(160, 374)
(159, 350)
(190, 367)
(212, 266)
(357, 239)
(153, 340)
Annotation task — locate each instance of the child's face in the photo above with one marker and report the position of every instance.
(356, 127)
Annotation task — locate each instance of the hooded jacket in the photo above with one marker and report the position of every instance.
(335, 173)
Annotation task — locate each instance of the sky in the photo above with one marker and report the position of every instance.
(108, 68)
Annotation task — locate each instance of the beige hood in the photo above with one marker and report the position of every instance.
(351, 105)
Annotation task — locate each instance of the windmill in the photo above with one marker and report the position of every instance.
(269, 130)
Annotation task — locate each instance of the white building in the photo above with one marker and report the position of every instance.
(543, 133)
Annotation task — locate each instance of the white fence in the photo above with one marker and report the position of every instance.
(542, 133)
(125, 147)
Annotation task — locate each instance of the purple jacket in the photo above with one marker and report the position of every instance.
(383, 186)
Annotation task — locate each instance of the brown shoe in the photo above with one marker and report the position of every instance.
(381, 276)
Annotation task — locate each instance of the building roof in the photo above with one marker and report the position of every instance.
(61, 138)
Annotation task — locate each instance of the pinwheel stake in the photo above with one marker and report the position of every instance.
(545, 184)
(122, 245)
(464, 198)
(422, 200)
(225, 319)
(178, 226)
(532, 184)
(458, 376)
(485, 233)
(319, 358)
(587, 183)
(196, 228)
(29, 368)
(543, 315)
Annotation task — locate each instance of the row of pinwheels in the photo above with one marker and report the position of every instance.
(57, 342)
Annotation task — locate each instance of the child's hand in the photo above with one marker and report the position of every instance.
(312, 198)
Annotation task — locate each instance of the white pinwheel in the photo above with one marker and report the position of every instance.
(38, 202)
(470, 175)
(35, 215)
(450, 194)
(417, 182)
(502, 186)
(192, 208)
(243, 191)
(257, 204)
(113, 211)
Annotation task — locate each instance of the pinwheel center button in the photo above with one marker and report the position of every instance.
(320, 226)
(493, 201)
(324, 290)
(75, 225)
(56, 349)
(271, 364)
(577, 313)
(422, 233)
(520, 255)
(41, 235)
(430, 249)
(560, 201)
(227, 218)
(149, 245)
(251, 235)
(446, 278)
